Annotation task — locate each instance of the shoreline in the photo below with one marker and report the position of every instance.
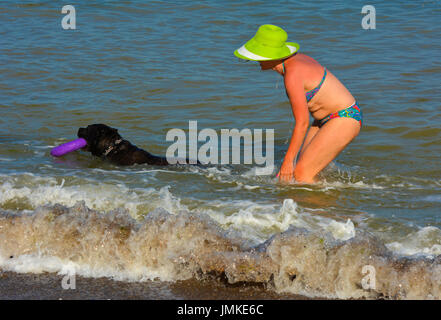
(47, 286)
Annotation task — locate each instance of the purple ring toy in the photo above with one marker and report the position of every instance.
(68, 147)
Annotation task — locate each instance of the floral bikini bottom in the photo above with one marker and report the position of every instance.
(353, 112)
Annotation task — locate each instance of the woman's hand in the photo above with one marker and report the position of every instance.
(286, 172)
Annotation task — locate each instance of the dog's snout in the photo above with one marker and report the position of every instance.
(81, 133)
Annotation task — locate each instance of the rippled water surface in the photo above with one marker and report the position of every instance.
(146, 67)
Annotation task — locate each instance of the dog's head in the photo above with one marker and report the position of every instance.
(101, 139)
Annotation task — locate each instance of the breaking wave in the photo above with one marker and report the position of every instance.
(186, 244)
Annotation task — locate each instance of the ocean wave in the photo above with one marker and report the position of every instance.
(255, 221)
(28, 191)
(426, 241)
(186, 244)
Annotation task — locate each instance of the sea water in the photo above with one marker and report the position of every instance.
(148, 67)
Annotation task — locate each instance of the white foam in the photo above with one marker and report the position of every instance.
(241, 185)
(258, 222)
(173, 247)
(255, 220)
(426, 241)
(99, 196)
(342, 231)
(35, 263)
(343, 185)
(31, 263)
(253, 172)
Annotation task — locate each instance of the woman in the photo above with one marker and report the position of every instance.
(309, 87)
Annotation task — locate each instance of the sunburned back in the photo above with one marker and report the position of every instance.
(332, 95)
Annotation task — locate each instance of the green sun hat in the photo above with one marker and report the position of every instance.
(269, 43)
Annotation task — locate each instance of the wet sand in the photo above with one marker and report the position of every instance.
(48, 286)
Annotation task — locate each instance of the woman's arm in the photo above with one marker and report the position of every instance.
(296, 94)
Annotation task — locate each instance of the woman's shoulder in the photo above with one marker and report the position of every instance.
(303, 65)
(303, 60)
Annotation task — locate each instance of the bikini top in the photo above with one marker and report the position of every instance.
(310, 94)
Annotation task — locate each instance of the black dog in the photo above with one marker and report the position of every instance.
(105, 142)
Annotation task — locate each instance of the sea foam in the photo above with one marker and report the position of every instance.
(185, 245)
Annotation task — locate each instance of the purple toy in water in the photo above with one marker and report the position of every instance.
(68, 147)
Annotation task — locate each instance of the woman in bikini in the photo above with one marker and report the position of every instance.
(310, 88)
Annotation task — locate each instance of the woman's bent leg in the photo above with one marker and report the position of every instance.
(313, 129)
(324, 147)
